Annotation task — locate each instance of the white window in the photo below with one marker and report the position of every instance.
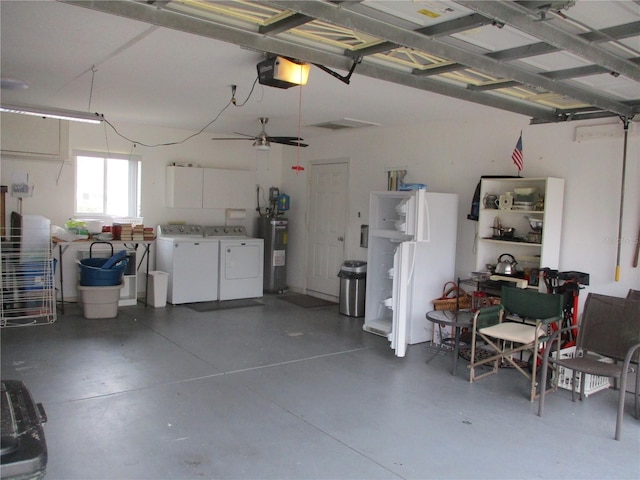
(107, 184)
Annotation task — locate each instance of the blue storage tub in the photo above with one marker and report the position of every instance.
(92, 273)
(36, 275)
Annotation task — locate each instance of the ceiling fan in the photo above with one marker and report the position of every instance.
(262, 141)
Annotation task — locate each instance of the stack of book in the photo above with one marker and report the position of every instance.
(126, 231)
(148, 233)
(137, 233)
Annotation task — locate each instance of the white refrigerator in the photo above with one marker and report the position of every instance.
(411, 255)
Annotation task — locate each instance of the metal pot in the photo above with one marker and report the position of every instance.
(506, 267)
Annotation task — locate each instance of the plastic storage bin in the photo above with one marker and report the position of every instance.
(100, 302)
(593, 383)
(158, 288)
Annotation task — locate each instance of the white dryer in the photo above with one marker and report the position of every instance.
(241, 263)
(191, 260)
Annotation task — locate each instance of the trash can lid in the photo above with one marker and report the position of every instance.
(354, 266)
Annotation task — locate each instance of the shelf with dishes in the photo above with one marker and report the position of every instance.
(512, 241)
(521, 217)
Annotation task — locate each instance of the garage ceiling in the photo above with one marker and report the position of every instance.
(552, 61)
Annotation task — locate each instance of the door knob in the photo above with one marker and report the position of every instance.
(341, 239)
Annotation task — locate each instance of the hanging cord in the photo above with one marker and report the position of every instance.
(231, 101)
(298, 168)
(93, 74)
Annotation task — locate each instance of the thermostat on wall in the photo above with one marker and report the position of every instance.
(21, 190)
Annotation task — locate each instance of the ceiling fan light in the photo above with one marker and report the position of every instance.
(261, 144)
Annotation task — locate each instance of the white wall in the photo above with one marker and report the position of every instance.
(54, 181)
(53, 195)
(451, 157)
(447, 156)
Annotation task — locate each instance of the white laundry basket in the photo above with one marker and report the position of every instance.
(158, 288)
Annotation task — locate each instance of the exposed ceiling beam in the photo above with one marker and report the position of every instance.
(288, 23)
(445, 28)
(254, 40)
(338, 15)
(520, 18)
(598, 36)
(449, 67)
(493, 86)
(456, 25)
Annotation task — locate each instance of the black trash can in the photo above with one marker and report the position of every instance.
(353, 279)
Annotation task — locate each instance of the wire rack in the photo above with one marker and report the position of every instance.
(28, 288)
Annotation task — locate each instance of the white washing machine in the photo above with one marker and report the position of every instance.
(241, 263)
(191, 260)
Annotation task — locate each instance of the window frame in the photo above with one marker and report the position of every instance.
(133, 187)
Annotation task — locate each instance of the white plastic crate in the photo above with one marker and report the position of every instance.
(565, 376)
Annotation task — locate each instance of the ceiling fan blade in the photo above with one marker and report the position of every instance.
(293, 143)
(232, 138)
(285, 139)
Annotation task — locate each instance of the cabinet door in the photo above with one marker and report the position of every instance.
(216, 188)
(32, 137)
(228, 188)
(243, 189)
(184, 187)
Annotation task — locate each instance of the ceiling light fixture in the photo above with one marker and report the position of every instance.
(57, 113)
(282, 73)
(261, 144)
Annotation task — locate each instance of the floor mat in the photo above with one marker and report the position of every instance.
(306, 301)
(482, 353)
(224, 305)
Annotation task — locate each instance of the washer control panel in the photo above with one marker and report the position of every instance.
(171, 230)
(225, 231)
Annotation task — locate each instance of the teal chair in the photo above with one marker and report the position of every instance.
(518, 327)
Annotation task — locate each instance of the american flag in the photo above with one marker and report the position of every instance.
(517, 156)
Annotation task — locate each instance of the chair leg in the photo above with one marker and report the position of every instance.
(637, 393)
(621, 399)
(534, 367)
(543, 385)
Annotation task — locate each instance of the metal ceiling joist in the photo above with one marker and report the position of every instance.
(520, 18)
(455, 26)
(445, 28)
(440, 69)
(285, 24)
(575, 72)
(338, 15)
(605, 35)
(254, 40)
(493, 86)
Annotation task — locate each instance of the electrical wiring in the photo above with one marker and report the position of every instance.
(178, 142)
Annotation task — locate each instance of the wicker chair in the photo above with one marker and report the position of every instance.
(609, 329)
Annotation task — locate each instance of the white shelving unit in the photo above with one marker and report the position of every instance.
(548, 198)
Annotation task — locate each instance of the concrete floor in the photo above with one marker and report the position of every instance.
(282, 392)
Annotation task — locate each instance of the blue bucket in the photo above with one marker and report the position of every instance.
(93, 275)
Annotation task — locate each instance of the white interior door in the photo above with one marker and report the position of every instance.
(327, 220)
